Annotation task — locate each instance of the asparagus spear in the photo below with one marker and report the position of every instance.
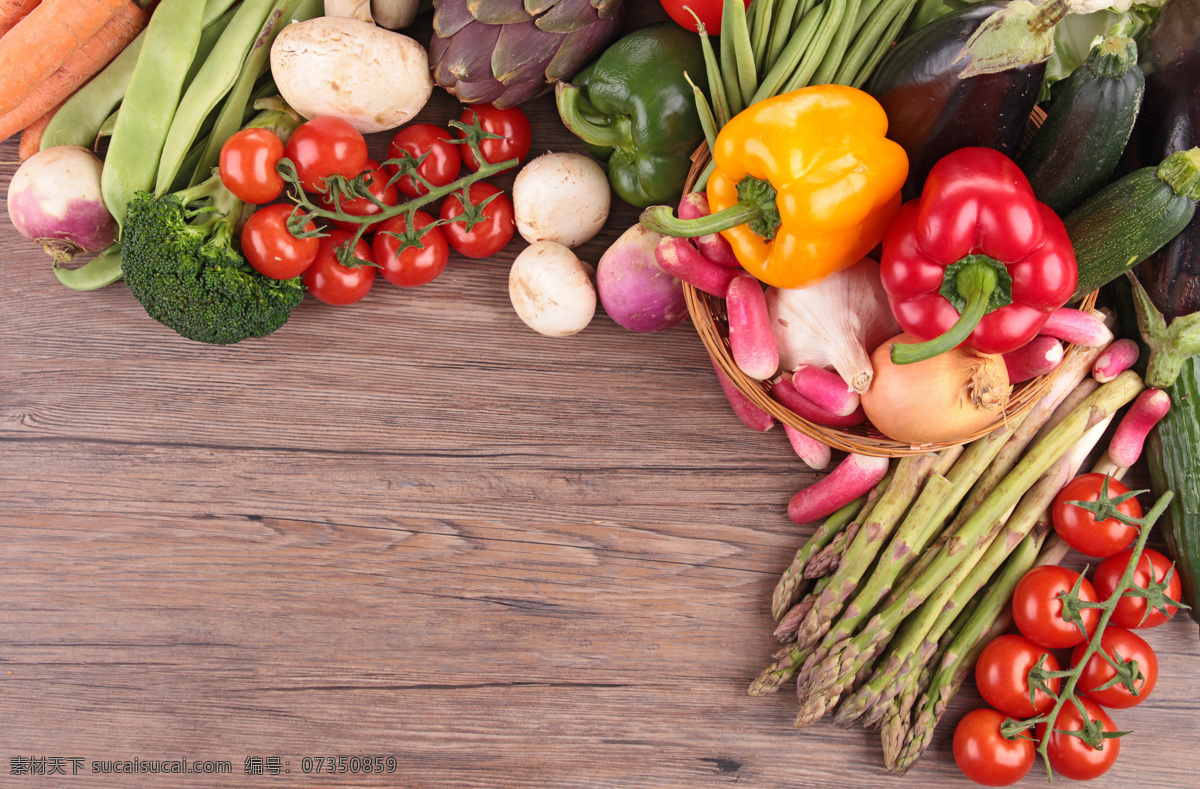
(920, 634)
(905, 741)
(910, 475)
(789, 587)
(820, 685)
(1042, 417)
(900, 708)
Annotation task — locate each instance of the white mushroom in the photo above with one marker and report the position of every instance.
(561, 197)
(373, 78)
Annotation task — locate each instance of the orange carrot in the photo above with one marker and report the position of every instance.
(41, 42)
(13, 11)
(31, 138)
(88, 59)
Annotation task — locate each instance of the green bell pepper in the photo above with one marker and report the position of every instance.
(635, 109)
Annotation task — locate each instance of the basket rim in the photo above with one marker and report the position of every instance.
(860, 440)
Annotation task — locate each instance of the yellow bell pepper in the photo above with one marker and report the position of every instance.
(804, 184)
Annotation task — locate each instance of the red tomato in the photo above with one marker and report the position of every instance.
(1079, 528)
(1152, 568)
(1130, 646)
(411, 266)
(271, 249)
(511, 124)
(1002, 676)
(709, 12)
(486, 237)
(1070, 756)
(247, 165)
(441, 163)
(326, 146)
(331, 282)
(986, 756)
(361, 206)
(1038, 612)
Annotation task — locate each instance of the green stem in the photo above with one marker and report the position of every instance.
(608, 135)
(1170, 344)
(1067, 691)
(311, 210)
(975, 280)
(662, 219)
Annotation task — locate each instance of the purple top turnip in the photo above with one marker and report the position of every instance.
(54, 199)
(633, 288)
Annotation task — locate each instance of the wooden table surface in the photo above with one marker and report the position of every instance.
(413, 528)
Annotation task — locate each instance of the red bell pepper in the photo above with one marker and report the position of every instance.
(976, 259)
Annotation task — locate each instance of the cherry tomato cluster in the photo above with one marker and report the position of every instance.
(1017, 673)
(408, 249)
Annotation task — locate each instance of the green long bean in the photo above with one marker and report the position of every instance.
(729, 63)
(873, 41)
(843, 34)
(791, 57)
(760, 15)
(787, 17)
(734, 29)
(80, 119)
(835, 12)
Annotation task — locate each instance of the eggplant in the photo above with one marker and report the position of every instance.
(1169, 121)
(931, 111)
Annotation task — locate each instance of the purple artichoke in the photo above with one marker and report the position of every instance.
(505, 52)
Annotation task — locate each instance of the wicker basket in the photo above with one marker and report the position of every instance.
(711, 322)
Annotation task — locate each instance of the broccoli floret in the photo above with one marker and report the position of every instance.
(179, 262)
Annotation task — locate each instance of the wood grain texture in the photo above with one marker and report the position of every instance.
(414, 528)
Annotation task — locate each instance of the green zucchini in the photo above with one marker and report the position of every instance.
(1173, 454)
(1128, 220)
(1077, 147)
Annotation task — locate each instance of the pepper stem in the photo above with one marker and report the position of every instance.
(756, 208)
(976, 285)
(567, 97)
(662, 219)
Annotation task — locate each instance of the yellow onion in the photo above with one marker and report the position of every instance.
(945, 398)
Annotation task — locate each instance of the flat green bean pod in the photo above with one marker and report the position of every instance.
(172, 37)
(229, 118)
(212, 82)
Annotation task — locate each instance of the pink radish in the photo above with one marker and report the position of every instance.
(813, 452)
(1126, 445)
(1077, 327)
(751, 415)
(1116, 359)
(1041, 355)
(679, 258)
(853, 477)
(713, 246)
(750, 340)
(826, 389)
(784, 391)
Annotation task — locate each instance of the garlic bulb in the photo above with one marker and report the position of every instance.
(835, 323)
